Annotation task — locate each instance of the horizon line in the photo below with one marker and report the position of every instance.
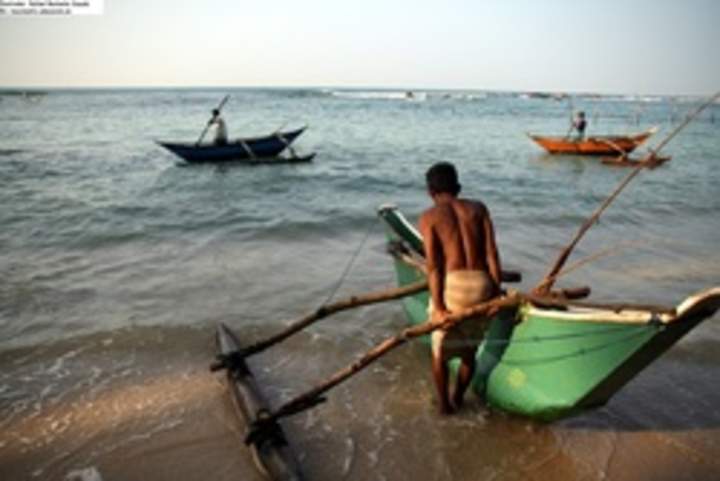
(41, 88)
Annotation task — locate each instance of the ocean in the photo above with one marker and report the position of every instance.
(118, 261)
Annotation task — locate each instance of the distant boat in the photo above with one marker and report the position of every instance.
(265, 149)
(595, 145)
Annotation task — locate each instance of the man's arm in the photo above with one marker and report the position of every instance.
(435, 264)
(491, 250)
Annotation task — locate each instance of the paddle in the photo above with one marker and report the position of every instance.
(547, 282)
(207, 126)
(572, 120)
(572, 126)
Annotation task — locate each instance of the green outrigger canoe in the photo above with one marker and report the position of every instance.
(556, 361)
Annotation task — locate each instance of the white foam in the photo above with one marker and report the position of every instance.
(85, 474)
(379, 95)
(57, 368)
(347, 463)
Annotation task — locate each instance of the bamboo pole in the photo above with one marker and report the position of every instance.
(623, 154)
(556, 302)
(547, 282)
(329, 309)
(312, 396)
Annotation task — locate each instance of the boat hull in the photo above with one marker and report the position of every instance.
(554, 367)
(252, 150)
(597, 145)
(554, 363)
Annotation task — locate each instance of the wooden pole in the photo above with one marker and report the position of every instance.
(622, 153)
(247, 149)
(329, 309)
(572, 118)
(311, 397)
(547, 282)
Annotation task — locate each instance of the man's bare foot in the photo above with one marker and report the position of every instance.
(445, 409)
(457, 403)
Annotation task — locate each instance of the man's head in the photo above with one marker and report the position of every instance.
(581, 114)
(215, 112)
(442, 178)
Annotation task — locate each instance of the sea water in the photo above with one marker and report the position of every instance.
(117, 261)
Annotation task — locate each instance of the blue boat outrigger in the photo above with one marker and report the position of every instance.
(265, 149)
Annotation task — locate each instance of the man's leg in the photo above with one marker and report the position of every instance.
(440, 372)
(465, 375)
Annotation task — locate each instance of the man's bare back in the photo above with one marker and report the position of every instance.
(463, 269)
(461, 236)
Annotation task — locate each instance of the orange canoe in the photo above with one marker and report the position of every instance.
(596, 145)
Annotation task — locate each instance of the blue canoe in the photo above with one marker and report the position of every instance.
(253, 150)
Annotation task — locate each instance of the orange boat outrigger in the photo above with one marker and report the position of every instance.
(596, 145)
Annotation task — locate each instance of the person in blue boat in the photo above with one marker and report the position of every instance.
(579, 124)
(221, 137)
(463, 270)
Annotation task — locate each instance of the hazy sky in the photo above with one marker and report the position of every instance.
(607, 46)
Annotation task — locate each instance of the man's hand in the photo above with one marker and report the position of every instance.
(438, 316)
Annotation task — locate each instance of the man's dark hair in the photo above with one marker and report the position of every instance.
(442, 178)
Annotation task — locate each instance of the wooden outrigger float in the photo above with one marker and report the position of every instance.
(272, 454)
(623, 160)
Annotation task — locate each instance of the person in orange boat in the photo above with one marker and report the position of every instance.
(579, 124)
(463, 270)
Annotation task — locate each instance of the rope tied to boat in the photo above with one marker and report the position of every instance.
(639, 331)
(266, 425)
(264, 429)
(233, 362)
(350, 263)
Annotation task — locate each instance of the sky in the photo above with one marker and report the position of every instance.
(601, 46)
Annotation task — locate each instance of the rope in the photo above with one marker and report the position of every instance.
(563, 337)
(350, 263)
(578, 352)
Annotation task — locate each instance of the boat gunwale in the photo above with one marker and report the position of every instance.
(602, 314)
(235, 142)
(640, 136)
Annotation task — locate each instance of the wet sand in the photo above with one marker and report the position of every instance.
(140, 403)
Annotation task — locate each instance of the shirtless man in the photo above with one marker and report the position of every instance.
(463, 270)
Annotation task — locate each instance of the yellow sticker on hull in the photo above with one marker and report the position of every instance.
(516, 378)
